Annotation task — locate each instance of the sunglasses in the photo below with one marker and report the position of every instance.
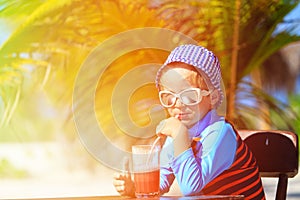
(189, 97)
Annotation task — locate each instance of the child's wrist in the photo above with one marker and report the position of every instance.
(182, 141)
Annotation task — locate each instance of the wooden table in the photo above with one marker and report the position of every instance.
(211, 197)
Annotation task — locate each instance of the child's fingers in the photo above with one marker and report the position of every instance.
(168, 127)
(118, 183)
(120, 186)
(118, 176)
(123, 182)
(160, 127)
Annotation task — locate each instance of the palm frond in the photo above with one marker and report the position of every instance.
(62, 33)
(254, 104)
(271, 43)
(18, 8)
(38, 13)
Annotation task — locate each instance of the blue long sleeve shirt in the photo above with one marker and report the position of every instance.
(197, 166)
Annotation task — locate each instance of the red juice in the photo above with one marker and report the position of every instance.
(147, 183)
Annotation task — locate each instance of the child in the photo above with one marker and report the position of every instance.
(201, 150)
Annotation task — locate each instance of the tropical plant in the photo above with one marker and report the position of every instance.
(53, 38)
(244, 36)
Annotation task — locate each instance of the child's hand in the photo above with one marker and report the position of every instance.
(170, 127)
(174, 128)
(123, 182)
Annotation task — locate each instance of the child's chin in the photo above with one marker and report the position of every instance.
(187, 123)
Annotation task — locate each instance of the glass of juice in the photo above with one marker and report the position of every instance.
(146, 170)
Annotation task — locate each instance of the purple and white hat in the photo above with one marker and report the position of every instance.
(199, 57)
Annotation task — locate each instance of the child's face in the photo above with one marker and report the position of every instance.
(180, 77)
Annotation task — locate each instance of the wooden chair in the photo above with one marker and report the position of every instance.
(276, 153)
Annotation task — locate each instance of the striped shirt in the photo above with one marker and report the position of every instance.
(218, 163)
(241, 178)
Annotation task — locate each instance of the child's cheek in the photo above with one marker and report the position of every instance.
(171, 112)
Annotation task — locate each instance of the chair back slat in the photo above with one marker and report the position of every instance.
(276, 153)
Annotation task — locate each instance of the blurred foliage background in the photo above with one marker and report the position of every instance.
(44, 43)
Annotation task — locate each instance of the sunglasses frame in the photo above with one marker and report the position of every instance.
(178, 96)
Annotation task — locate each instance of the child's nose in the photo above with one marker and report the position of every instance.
(178, 103)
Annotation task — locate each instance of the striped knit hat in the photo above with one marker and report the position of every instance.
(199, 57)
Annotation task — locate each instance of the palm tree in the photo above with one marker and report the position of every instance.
(54, 37)
(21, 49)
(242, 33)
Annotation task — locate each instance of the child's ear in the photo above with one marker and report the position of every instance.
(214, 97)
